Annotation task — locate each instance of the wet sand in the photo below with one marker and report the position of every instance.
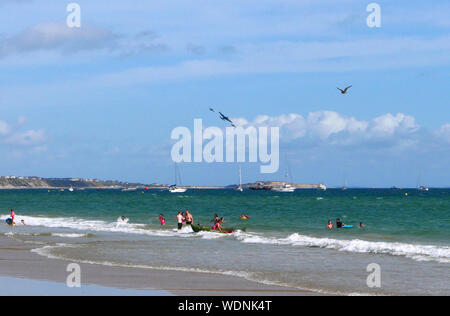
(17, 261)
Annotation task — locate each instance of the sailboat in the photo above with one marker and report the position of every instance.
(286, 187)
(174, 188)
(420, 187)
(239, 188)
(71, 189)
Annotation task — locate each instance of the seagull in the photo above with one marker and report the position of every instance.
(226, 119)
(223, 117)
(345, 90)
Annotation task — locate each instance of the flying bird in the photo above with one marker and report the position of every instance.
(223, 117)
(345, 90)
(226, 119)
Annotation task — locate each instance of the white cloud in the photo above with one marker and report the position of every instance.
(51, 36)
(10, 135)
(335, 128)
(28, 138)
(444, 132)
(4, 128)
(388, 124)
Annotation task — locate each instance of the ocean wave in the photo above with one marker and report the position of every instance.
(416, 252)
(100, 226)
(71, 235)
(46, 251)
(413, 251)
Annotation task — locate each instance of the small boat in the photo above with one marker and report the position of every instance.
(199, 228)
(287, 188)
(421, 187)
(239, 188)
(71, 189)
(175, 189)
(129, 189)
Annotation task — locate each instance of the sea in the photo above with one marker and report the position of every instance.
(406, 234)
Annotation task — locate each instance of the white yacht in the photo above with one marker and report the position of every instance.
(175, 188)
(71, 189)
(129, 189)
(286, 188)
(420, 187)
(240, 188)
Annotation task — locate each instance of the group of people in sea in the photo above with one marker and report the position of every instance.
(186, 218)
(340, 224)
(11, 221)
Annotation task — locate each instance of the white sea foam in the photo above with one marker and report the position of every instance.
(70, 235)
(95, 225)
(416, 252)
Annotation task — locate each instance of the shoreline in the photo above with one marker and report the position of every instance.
(17, 261)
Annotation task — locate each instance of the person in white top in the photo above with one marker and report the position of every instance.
(180, 221)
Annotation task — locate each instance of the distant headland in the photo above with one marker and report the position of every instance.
(16, 182)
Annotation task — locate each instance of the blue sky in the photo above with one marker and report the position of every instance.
(102, 100)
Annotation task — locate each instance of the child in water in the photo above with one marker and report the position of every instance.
(162, 219)
(244, 217)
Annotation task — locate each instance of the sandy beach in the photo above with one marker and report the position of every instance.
(17, 261)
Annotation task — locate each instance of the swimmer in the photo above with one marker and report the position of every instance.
(330, 225)
(244, 217)
(218, 225)
(215, 219)
(162, 219)
(339, 224)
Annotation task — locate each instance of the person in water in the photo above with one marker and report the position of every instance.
(361, 225)
(339, 224)
(244, 217)
(23, 223)
(330, 225)
(215, 219)
(218, 225)
(189, 218)
(124, 219)
(13, 215)
(180, 221)
(162, 219)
